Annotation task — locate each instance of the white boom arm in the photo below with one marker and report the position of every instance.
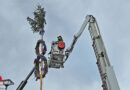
(108, 77)
(76, 36)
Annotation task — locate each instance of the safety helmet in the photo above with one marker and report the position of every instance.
(58, 36)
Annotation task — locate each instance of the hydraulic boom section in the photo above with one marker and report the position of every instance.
(108, 77)
(24, 82)
(76, 36)
(106, 70)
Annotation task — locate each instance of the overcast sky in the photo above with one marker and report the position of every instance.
(65, 17)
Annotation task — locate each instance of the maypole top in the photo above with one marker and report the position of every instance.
(37, 24)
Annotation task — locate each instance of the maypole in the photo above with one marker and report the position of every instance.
(37, 25)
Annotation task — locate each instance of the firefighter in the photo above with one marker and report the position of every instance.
(61, 46)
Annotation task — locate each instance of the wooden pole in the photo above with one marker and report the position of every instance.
(41, 75)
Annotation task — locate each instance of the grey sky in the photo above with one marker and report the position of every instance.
(65, 17)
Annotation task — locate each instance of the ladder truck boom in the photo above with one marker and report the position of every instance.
(24, 82)
(76, 36)
(108, 77)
